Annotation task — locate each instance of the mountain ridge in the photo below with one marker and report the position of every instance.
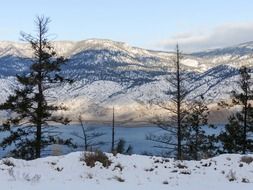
(110, 73)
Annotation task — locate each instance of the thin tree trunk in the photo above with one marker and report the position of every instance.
(179, 135)
(245, 121)
(38, 141)
(39, 122)
(84, 135)
(113, 130)
(40, 99)
(196, 144)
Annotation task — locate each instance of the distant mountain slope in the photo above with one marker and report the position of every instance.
(108, 73)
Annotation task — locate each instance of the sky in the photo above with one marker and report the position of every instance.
(153, 24)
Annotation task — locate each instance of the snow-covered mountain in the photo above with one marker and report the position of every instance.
(109, 73)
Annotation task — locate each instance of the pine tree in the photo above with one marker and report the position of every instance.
(176, 106)
(236, 136)
(121, 148)
(197, 143)
(232, 137)
(30, 106)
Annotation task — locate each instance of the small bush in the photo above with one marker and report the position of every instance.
(165, 182)
(181, 166)
(231, 175)
(56, 150)
(149, 170)
(119, 179)
(157, 161)
(92, 157)
(118, 166)
(245, 180)
(59, 169)
(121, 148)
(247, 159)
(207, 164)
(89, 176)
(185, 172)
(7, 162)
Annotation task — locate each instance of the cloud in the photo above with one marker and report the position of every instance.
(222, 36)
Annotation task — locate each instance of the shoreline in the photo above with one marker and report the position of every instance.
(129, 124)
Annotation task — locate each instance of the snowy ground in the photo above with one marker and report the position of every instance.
(138, 172)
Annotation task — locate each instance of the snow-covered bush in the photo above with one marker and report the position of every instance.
(247, 159)
(231, 175)
(119, 179)
(8, 162)
(90, 158)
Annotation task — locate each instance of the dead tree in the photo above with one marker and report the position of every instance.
(113, 131)
(89, 136)
(176, 106)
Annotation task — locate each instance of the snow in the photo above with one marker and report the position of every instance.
(138, 172)
(106, 85)
(190, 62)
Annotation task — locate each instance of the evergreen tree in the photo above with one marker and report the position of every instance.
(176, 106)
(28, 127)
(236, 138)
(197, 143)
(121, 148)
(232, 137)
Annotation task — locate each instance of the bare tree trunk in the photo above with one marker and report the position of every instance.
(113, 131)
(84, 134)
(179, 135)
(245, 121)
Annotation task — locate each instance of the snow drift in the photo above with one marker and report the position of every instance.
(228, 171)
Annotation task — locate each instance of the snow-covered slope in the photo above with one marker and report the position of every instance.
(128, 172)
(109, 73)
(236, 56)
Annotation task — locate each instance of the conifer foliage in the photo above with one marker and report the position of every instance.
(236, 138)
(176, 106)
(197, 143)
(30, 108)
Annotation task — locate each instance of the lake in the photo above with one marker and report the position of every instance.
(134, 136)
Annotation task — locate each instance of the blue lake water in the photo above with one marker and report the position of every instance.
(134, 136)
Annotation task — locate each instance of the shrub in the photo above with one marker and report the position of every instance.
(56, 150)
(247, 159)
(118, 166)
(245, 180)
(181, 166)
(165, 182)
(185, 172)
(121, 148)
(89, 176)
(231, 175)
(92, 157)
(119, 179)
(7, 162)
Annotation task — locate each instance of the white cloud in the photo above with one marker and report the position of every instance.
(222, 36)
